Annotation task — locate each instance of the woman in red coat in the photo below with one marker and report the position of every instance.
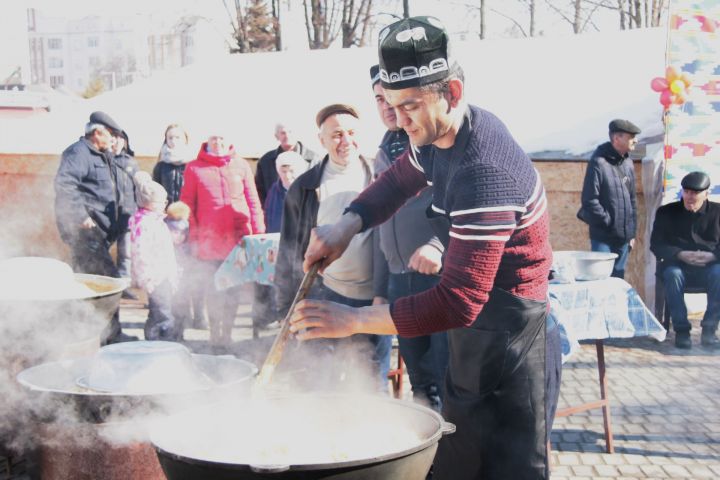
(220, 189)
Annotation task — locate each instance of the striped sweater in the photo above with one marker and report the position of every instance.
(494, 203)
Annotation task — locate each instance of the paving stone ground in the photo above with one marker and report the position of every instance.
(665, 404)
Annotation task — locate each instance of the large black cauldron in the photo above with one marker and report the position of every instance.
(326, 437)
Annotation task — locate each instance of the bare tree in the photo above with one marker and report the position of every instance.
(580, 14)
(353, 19)
(656, 14)
(621, 9)
(638, 13)
(325, 20)
(483, 29)
(275, 11)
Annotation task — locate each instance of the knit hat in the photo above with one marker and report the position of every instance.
(178, 211)
(291, 158)
(148, 191)
(413, 52)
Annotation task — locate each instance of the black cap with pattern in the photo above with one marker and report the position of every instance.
(374, 75)
(413, 52)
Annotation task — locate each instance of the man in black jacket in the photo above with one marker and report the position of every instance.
(86, 204)
(266, 173)
(686, 240)
(608, 195)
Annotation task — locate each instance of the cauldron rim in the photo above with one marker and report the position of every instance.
(74, 390)
(443, 428)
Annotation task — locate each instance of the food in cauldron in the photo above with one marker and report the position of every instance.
(293, 433)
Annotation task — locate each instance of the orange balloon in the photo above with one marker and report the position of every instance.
(671, 74)
(679, 98)
(685, 79)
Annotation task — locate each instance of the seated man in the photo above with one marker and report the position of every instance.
(686, 241)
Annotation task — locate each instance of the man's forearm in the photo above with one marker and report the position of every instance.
(375, 319)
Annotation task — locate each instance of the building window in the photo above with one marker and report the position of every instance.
(54, 43)
(94, 61)
(93, 41)
(56, 80)
(54, 62)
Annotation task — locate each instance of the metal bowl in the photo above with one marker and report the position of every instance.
(53, 387)
(584, 265)
(144, 368)
(309, 437)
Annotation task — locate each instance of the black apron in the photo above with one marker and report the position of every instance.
(495, 384)
(495, 394)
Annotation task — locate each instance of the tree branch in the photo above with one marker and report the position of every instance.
(522, 30)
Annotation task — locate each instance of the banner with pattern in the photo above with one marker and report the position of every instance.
(692, 140)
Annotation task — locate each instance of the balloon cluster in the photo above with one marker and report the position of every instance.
(673, 87)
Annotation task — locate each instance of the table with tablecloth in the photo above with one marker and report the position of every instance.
(598, 310)
(252, 260)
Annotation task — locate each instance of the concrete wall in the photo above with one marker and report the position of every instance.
(27, 223)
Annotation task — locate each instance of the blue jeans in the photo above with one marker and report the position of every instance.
(676, 277)
(347, 354)
(622, 250)
(124, 262)
(426, 356)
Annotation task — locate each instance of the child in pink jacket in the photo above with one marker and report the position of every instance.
(154, 268)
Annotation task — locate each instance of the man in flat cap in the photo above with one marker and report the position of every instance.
(609, 204)
(490, 210)
(686, 240)
(410, 261)
(266, 173)
(87, 204)
(319, 197)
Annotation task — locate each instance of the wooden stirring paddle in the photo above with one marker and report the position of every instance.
(276, 351)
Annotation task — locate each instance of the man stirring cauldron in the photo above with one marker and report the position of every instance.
(490, 204)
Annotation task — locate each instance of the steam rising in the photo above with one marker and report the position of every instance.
(32, 332)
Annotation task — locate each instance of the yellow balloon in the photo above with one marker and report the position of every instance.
(677, 86)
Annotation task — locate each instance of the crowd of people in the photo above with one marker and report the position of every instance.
(443, 240)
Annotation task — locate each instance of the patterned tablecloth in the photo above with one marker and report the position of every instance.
(600, 309)
(252, 260)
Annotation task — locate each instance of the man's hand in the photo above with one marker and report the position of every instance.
(87, 224)
(328, 242)
(380, 301)
(703, 258)
(426, 260)
(320, 319)
(696, 259)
